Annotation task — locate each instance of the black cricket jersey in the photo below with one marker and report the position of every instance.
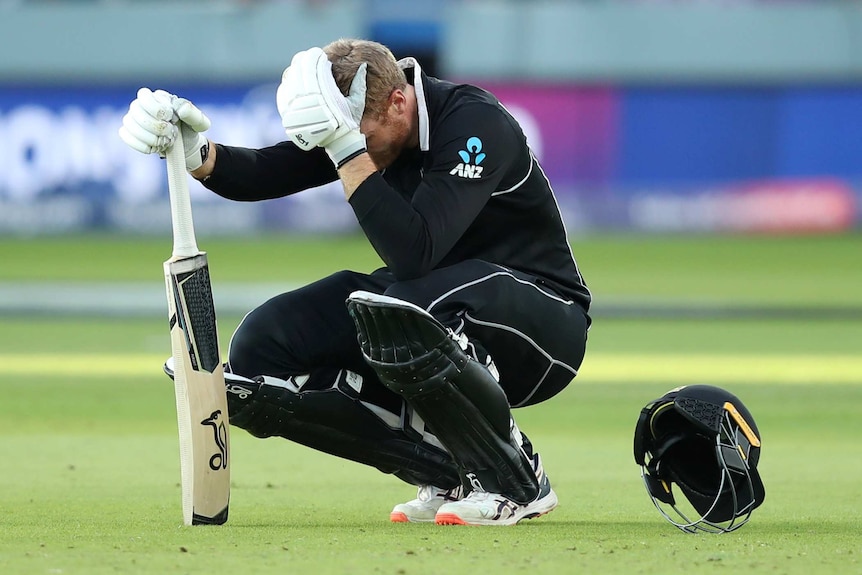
(472, 190)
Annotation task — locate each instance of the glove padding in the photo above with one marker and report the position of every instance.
(150, 126)
(313, 110)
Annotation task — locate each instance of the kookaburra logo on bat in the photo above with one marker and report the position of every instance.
(219, 459)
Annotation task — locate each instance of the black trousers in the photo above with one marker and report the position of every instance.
(536, 337)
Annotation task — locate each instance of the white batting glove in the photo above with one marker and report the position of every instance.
(147, 125)
(313, 110)
(150, 126)
(193, 123)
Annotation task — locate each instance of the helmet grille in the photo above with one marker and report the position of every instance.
(691, 461)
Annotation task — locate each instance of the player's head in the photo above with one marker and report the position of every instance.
(383, 74)
(702, 439)
(390, 122)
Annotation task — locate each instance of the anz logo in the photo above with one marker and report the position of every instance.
(471, 157)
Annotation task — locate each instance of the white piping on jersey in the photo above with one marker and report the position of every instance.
(460, 327)
(519, 184)
(424, 145)
(565, 231)
(511, 329)
(529, 340)
(421, 104)
(491, 276)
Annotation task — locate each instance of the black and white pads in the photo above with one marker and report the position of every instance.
(459, 399)
(333, 420)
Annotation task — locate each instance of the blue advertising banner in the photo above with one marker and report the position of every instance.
(655, 159)
(64, 168)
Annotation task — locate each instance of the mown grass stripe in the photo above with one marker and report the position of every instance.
(723, 368)
(598, 367)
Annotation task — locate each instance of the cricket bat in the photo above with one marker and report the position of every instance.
(202, 417)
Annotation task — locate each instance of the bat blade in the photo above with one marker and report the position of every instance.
(202, 414)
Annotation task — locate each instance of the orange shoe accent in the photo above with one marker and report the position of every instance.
(449, 519)
(398, 517)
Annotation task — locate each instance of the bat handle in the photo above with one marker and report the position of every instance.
(185, 244)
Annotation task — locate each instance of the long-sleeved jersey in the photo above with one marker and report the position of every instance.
(471, 190)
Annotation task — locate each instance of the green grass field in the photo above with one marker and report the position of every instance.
(89, 432)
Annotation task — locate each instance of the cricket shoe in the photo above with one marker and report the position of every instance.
(483, 508)
(424, 508)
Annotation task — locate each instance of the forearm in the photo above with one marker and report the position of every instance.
(413, 234)
(354, 172)
(399, 233)
(246, 174)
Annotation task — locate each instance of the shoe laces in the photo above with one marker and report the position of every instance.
(429, 492)
(478, 496)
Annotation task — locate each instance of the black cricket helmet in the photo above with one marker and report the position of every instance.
(704, 440)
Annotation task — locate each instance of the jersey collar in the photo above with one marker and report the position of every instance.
(421, 104)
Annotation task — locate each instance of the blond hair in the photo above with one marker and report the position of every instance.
(383, 73)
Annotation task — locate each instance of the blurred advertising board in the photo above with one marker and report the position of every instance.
(615, 159)
(63, 167)
(772, 206)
